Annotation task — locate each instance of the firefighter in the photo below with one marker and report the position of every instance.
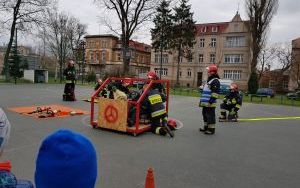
(153, 76)
(70, 74)
(208, 100)
(154, 104)
(232, 103)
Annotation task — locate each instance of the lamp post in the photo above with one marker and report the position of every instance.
(82, 50)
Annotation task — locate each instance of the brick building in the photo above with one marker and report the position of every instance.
(226, 44)
(104, 55)
(276, 80)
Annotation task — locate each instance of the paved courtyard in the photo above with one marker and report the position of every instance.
(245, 154)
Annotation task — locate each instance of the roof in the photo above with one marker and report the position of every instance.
(207, 28)
(102, 36)
(140, 46)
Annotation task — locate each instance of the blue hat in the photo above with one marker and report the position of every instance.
(66, 160)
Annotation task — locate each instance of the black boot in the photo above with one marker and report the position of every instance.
(210, 130)
(204, 128)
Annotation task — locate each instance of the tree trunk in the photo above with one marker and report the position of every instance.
(178, 65)
(12, 33)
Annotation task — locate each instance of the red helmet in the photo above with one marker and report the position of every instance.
(234, 87)
(172, 124)
(127, 82)
(212, 69)
(152, 75)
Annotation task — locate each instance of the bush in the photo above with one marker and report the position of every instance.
(91, 77)
(253, 83)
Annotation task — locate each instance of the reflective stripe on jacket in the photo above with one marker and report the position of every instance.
(155, 103)
(207, 95)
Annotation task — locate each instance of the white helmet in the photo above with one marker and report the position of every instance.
(4, 130)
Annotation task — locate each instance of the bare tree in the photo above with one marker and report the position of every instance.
(284, 55)
(62, 34)
(265, 59)
(260, 13)
(131, 15)
(27, 13)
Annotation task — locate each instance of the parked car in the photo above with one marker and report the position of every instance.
(224, 86)
(293, 95)
(265, 91)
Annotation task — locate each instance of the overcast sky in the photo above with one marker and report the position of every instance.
(285, 25)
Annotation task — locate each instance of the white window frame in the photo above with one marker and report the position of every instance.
(213, 42)
(235, 41)
(201, 58)
(202, 43)
(189, 73)
(214, 29)
(234, 58)
(233, 74)
(212, 58)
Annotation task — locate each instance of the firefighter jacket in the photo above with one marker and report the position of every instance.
(233, 100)
(154, 103)
(70, 74)
(210, 92)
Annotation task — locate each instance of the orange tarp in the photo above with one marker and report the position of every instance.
(62, 111)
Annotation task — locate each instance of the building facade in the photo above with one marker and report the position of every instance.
(276, 80)
(294, 83)
(103, 55)
(225, 44)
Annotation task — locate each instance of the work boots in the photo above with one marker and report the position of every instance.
(204, 128)
(210, 129)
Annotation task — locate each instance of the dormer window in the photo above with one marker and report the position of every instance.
(214, 29)
(203, 29)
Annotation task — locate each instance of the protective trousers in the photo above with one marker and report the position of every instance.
(158, 124)
(209, 118)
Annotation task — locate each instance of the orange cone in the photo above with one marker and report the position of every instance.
(150, 179)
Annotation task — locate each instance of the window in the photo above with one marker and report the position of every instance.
(213, 42)
(214, 29)
(190, 59)
(118, 56)
(165, 58)
(202, 43)
(180, 73)
(285, 84)
(203, 29)
(97, 57)
(92, 57)
(232, 74)
(189, 73)
(200, 58)
(238, 41)
(103, 56)
(234, 58)
(181, 60)
(272, 84)
(164, 71)
(104, 44)
(212, 58)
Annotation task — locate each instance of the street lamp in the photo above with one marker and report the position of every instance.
(82, 50)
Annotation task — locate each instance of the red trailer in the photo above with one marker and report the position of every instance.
(121, 125)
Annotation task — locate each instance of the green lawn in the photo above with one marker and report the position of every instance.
(277, 100)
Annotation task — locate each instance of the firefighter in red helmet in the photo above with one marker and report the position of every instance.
(153, 76)
(232, 102)
(208, 100)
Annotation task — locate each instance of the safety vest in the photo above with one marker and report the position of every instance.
(157, 106)
(206, 96)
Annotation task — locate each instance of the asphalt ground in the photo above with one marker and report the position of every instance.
(244, 154)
